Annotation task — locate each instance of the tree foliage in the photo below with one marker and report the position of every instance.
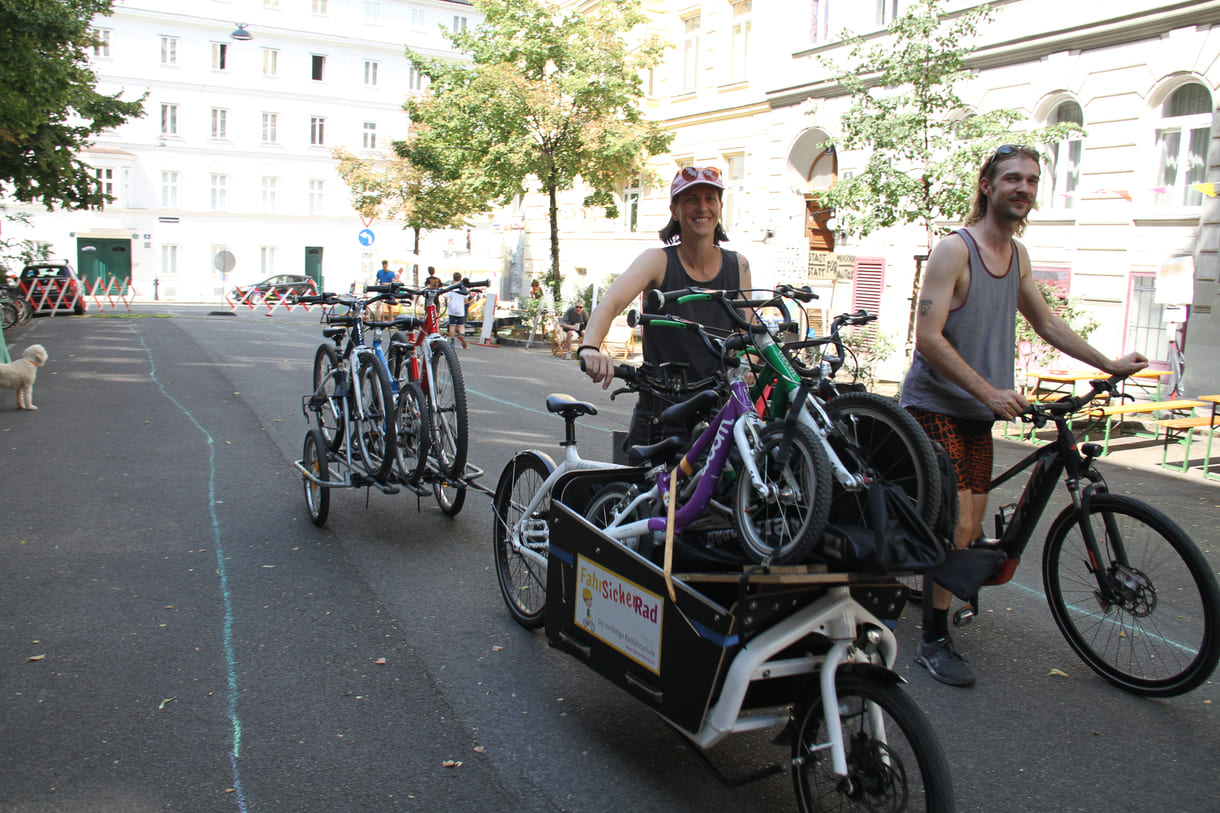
(394, 189)
(924, 147)
(924, 150)
(50, 108)
(547, 95)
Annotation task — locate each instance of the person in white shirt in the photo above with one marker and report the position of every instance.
(457, 311)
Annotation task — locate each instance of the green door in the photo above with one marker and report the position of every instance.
(313, 265)
(103, 263)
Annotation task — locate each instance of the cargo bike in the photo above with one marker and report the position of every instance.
(717, 646)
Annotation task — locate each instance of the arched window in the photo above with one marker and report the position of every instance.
(1182, 136)
(1063, 159)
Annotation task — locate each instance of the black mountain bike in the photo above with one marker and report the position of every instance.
(1129, 590)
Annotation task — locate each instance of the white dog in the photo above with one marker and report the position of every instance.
(21, 373)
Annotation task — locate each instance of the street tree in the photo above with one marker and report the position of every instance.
(50, 108)
(547, 95)
(395, 190)
(924, 144)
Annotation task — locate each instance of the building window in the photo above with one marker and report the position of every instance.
(690, 53)
(1063, 158)
(317, 189)
(169, 50)
(220, 192)
(169, 119)
(372, 12)
(734, 187)
(1146, 330)
(370, 74)
(631, 204)
(169, 260)
(317, 131)
(369, 142)
(270, 187)
(318, 69)
(169, 189)
(1182, 136)
(459, 23)
(741, 39)
(220, 122)
(319, 6)
(271, 62)
(887, 11)
(220, 56)
(417, 20)
(101, 42)
(271, 126)
(266, 259)
(105, 179)
(819, 20)
(415, 79)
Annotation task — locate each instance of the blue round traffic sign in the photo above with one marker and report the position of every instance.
(366, 237)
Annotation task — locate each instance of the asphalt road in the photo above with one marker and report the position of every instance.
(175, 634)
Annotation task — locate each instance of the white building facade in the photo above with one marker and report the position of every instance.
(1121, 226)
(232, 160)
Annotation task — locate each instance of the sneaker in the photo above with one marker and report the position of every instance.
(940, 657)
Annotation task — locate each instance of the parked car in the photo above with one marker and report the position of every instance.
(282, 286)
(52, 286)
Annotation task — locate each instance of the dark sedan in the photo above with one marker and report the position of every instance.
(286, 287)
(51, 287)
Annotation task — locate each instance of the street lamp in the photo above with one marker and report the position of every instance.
(241, 33)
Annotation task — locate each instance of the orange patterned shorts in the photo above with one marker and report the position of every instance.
(968, 443)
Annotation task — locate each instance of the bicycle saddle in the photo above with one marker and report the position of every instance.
(567, 406)
(668, 448)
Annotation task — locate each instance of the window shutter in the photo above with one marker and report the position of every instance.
(867, 284)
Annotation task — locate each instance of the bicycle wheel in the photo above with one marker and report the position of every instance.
(1157, 636)
(375, 433)
(449, 497)
(891, 445)
(313, 458)
(894, 760)
(786, 527)
(10, 313)
(608, 500)
(398, 355)
(414, 431)
(449, 418)
(519, 541)
(330, 388)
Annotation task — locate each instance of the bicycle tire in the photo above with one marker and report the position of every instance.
(313, 458)
(25, 311)
(449, 497)
(1162, 638)
(522, 578)
(894, 448)
(413, 427)
(786, 530)
(400, 368)
(10, 314)
(907, 771)
(604, 502)
(449, 420)
(374, 422)
(329, 417)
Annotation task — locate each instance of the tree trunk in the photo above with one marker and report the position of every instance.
(556, 280)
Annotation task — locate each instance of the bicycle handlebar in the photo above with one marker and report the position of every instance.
(1036, 413)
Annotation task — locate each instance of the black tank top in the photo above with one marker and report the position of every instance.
(667, 344)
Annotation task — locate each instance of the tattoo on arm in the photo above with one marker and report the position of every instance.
(925, 306)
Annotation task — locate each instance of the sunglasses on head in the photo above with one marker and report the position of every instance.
(1005, 150)
(707, 173)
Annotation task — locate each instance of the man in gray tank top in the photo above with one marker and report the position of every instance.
(961, 377)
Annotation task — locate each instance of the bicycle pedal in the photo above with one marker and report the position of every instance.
(964, 615)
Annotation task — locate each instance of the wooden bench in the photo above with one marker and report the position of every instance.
(1181, 431)
(1110, 411)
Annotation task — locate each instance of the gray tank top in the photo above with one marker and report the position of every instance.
(983, 330)
(667, 344)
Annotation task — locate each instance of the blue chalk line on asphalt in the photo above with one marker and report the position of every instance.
(222, 572)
